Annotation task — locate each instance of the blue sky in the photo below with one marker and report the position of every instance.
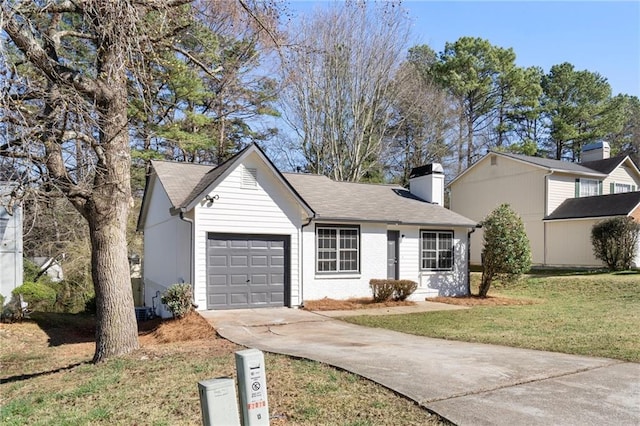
(599, 36)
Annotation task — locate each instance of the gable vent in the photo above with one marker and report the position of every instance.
(249, 178)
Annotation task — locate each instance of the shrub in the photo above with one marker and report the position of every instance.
(382, 290)
(506, 253)
(615, 242)
(178, 299)
(403, 289)
(40, 297)
(1, 301)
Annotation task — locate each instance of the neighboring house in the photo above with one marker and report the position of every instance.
(10, 243)
(51, 266)
(559, 201)
(246, 235)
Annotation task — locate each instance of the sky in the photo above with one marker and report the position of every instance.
(598, 36)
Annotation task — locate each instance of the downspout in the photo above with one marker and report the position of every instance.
(301, 259)
(191, 252)
(469, 258)
(546, 212)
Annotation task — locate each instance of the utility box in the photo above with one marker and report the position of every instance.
(219, 402)
(252, 386)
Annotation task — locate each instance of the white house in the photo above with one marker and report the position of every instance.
(246, 235)
(10, 243)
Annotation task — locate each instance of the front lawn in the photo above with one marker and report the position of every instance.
(46, 379)
(586, 314)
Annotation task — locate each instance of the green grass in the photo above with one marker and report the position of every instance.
(157, 385)
(578, 313)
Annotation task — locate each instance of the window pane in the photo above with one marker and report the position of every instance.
(622, 187)
(437, 250)
(588, 187)
(337, 249)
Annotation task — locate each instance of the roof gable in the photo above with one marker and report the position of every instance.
(186, 183)
(608, 165)
(598, 206)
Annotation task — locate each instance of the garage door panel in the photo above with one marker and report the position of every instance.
(217, 299)
(239, 260)
(238, 243)
(259, 261)
(259, 279)
(217, 261)
(277, 297)
(239, 299)
(259, 244)
(239, 279)
(277, 260)
(277, 279)
(218, 280)
(245, 271)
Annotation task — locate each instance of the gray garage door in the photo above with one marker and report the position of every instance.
(246, 271)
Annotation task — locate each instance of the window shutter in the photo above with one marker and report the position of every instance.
(612, 188)
(599, 187)
(577, 188)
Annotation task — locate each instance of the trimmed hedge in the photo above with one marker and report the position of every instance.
(385, 289)
(40, 297)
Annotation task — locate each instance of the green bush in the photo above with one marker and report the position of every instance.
(615, 242)
(178, 299)
(403, 289)
(382, 290)
(40, 297)
(1, 301)
(506, 253)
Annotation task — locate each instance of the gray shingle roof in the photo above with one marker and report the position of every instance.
(597, 206)
(605, 166)
(179, 179)
(330, 200)
(369, 202)
(552, 164)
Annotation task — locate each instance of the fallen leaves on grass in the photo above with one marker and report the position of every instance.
(482, 301)
(327, 304)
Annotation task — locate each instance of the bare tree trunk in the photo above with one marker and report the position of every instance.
(107, 214)
(116, 331)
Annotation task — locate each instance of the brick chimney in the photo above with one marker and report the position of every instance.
(595, 151)
(427, 182)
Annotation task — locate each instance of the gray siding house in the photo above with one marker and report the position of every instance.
(10, 243)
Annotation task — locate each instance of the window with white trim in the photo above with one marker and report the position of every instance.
(436, 250)
(589, 187)
(621, 187)
(338, 249)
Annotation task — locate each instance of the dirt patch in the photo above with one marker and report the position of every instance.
(327, 304)
(482, 301)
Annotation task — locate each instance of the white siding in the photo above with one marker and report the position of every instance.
(373, 264)
(11, 251)
(266, 209)
(167, 243)
(622, 174)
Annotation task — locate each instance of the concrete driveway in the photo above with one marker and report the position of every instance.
(466, 383)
